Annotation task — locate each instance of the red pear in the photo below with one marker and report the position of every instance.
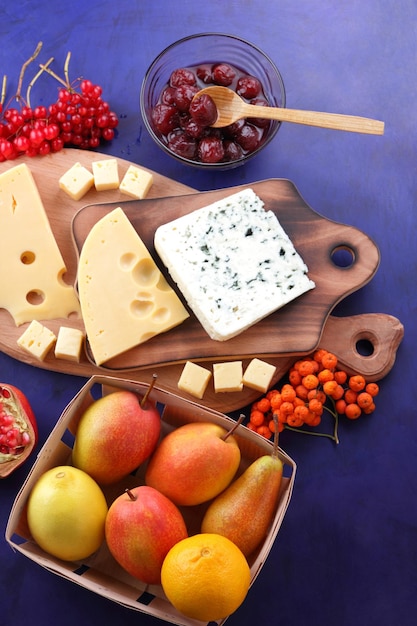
(142, 525)
(115, 435)
(194, 463)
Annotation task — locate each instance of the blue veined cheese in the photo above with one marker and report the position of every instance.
(233, 262)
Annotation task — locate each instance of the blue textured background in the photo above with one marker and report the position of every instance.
(347, 551)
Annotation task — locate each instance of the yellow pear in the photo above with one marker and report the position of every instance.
(244, 511)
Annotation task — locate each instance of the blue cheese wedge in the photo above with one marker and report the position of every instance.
(233, 262)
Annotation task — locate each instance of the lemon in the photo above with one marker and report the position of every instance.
(205, 577)
(66, 513)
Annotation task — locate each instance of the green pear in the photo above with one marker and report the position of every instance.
(244, 511)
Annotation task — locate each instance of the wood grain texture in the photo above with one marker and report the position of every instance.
(294, 330)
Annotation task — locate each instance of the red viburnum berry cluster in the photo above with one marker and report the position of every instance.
(79, 119)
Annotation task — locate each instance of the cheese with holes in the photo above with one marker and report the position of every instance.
(106, 174)
(194, 379)
(37, 340)
(31, 265)
(76, 181)
(125, 300)
(136, 183)
(233, 262)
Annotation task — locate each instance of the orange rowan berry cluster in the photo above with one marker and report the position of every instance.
(313, 382)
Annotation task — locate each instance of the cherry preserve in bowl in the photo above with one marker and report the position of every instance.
(199, 61)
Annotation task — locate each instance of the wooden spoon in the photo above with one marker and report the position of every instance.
(231, 107)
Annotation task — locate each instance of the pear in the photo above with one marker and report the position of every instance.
(115, 435)
(142, 525)
(194, 463)
(244, 511)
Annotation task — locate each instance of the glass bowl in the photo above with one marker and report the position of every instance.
(211, 48)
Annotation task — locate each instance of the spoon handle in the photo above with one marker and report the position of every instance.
(335, 121)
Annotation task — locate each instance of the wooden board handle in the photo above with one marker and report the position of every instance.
(365, 343)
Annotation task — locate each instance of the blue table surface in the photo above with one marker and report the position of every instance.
(346, 553)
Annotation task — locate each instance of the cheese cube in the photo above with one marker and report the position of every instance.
(76, 181)
(106, 174)
(136, 182)
(228, 376)
(194, 379)
(258, 375)
(37, 340)
(69, 344)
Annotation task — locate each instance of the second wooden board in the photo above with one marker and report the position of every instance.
(295, 328)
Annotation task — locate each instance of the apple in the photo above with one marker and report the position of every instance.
(142, 525)
(194, 463)
(115, 435)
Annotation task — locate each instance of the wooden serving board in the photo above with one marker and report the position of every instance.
(296, 329)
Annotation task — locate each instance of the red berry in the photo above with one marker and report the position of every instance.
(102, 121)
(203, 110)
(248, 87)
(86, 86)
(182, 76)
(40, 112)
(183, 145)
(57, 144)
(21, 143)
(44, 148)
(7, 149)
(108, 134)
(183, 96)
(165, 118)
(210, 150)
(248, 137)
(223, 74)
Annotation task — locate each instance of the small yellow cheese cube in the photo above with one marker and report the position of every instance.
(37, 340)
(69, 344)
(136, 182)
(194, 379)
(258, 375)
(76, 181)
(106, 174)
(228, 376)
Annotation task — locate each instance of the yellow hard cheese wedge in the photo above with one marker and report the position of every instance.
(31, 265)
(125, 300)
